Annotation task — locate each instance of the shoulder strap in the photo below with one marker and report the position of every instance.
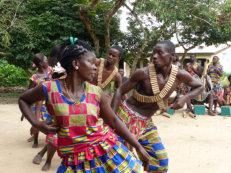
(100, 75)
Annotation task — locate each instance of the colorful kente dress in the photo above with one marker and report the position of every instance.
(44, 116)
(190, 70)
(146, 133)
(85, 143)
(38, 80)
(228, 95)
(216, 80)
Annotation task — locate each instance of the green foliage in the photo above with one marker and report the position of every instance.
(11, 75)
(49, 22)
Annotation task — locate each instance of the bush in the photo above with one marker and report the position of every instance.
(11, 75)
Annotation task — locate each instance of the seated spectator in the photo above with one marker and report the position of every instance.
(206, 96)
(227, 94)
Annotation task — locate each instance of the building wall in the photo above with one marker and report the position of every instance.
(225, 59)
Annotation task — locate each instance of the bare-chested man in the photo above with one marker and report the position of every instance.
(153, 85)
(107, 72)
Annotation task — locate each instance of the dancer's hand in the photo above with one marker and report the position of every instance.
(45, 128)
(144, 157)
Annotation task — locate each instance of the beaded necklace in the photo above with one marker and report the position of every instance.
(158, 95)
(100, 75)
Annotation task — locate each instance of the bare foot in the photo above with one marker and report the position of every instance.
(211, 113)
(47, 166)
(37, 159)
(30, 139)
(35, 145)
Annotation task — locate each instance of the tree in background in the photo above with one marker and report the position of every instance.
(144, 31)
(28, 27)
(49, 22)
(104, 10)
(196, 22)
(8, 20)
(192, 22)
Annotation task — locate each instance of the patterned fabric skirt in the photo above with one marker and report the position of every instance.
(52, 139)
(118, 159)
(182, 89)
(217, 89)
(146, 133)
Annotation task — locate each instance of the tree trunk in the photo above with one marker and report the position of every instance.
(107, 20)
(183, 56)
(87, 24)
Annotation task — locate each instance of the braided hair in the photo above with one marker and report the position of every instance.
(73, 51)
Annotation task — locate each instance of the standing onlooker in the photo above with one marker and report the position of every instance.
(215, 72)
(192, 66)
(121, 72)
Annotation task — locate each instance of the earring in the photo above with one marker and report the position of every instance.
(76, 67)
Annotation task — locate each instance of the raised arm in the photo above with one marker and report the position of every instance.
(196, 88)
(110, 118)
(26, 100)
(126, 87)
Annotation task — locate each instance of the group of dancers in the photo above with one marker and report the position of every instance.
(96, 130)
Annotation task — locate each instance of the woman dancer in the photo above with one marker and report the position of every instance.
(43, 74)
(51, 139)
(85, 142)
(215, 72)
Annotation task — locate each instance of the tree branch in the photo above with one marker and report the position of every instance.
(202, 19)
(15, 14)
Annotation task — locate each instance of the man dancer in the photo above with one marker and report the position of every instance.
(153, 85)
(107, 77)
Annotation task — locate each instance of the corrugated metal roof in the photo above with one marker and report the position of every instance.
(204, 49)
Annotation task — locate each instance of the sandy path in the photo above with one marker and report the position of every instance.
(194, 146)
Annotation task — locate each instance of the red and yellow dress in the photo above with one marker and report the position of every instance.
(38, 80)
(44, 116)
(85, 143)
(190, 70)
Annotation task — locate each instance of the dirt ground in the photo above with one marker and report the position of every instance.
(201, 145)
